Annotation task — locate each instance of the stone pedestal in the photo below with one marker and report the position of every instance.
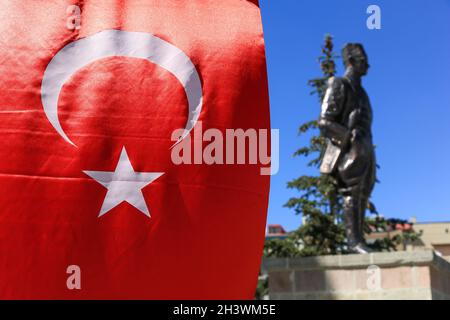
(390, 275)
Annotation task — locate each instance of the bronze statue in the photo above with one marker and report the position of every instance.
(346, 121)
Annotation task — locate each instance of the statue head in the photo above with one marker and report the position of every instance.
(355, 57)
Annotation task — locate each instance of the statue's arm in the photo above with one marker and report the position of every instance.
(332, 109)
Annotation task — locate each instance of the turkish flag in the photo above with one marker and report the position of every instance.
(92, 205)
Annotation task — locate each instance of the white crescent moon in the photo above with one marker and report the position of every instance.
(110, 43)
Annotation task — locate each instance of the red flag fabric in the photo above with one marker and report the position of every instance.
(92, 205)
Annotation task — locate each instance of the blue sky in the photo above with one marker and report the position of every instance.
(409, 87)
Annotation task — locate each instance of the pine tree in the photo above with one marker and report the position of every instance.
(319, 202)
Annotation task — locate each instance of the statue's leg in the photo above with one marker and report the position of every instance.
(364, 201)
(351, 213)
(354, 201)
(366, 190)
(355, 173)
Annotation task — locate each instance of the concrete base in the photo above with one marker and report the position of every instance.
(417, 275)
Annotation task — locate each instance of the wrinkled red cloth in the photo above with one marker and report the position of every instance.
(205, 236)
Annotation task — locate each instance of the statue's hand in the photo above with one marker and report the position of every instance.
(344, 140)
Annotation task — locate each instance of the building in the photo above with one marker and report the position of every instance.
(275, 231)
(434, 235)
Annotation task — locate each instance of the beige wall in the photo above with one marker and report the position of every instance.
(435, 235)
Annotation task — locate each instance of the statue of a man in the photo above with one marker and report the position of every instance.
(346, 121)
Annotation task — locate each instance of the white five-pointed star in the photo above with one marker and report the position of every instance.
(124, 184)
